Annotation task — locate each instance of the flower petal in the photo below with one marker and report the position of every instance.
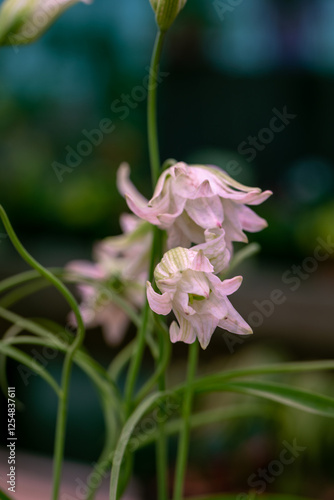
(160, 304)
(181, 304)
(206, 212)
(137, 203)
(173, 262)
(233, 322)
(204, 326)
(86, 269)
(184, 332)
(195, 283)
(177, 238)
(250, 221)
(114, 322)
(201, 263)
(226, 287)
(215, 249)
(129, 222)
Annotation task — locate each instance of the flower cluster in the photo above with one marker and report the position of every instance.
(121, 268)
(203, 211)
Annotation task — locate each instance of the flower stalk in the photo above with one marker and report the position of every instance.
(183, 448)
(152, 126)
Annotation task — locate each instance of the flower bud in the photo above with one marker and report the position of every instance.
(23, 21)
(166, 11)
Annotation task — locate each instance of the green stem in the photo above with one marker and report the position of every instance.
(153, 146)
(152, 127)
(161, 445)
(182, 454)
(141, 336)
(136, 360)
(65, 379)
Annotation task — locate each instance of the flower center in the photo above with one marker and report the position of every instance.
(193, 296)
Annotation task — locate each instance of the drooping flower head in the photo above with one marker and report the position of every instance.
(120, 266)
(23, 21)
(196, 295)
(166, 11)
(191, 199)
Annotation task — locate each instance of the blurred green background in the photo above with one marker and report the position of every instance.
(227, 70)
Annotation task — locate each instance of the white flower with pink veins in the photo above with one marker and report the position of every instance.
(121, 266)
(196, 295)
(189, 199)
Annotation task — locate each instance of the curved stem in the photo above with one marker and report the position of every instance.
(182, 453)
(65, 379)
(152, 128)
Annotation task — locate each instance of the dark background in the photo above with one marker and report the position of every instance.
(229, 70)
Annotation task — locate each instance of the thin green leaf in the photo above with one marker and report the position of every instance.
(23, 291)
(202, 419)
(109, 398)
(28, 361)
(26, 324)
(24, 277)
(290, 396)
(11, 332)
(125, 436)
(273, 369)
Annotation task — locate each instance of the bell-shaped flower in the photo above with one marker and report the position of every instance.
(23, 21)
(120, 267)
(191, 199)
(196, 295)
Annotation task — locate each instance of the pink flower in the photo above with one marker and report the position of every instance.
(191, 199)
(121, 266)
(197, 297)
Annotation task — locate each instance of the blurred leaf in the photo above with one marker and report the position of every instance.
(290, 396)
(31, 363)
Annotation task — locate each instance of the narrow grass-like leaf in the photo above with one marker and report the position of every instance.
(273, 369)
(125, 436)
(32, 364)
(204, 418)
(287, 395)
